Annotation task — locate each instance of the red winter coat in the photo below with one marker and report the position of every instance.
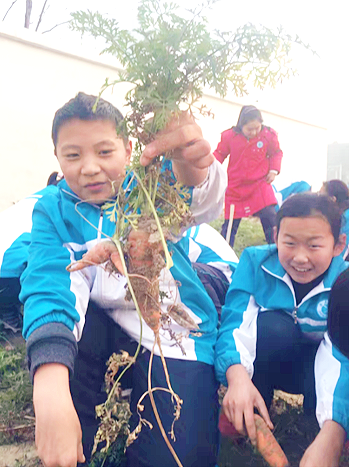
(249, 163)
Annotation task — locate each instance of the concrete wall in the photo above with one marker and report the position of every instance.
(38, 77)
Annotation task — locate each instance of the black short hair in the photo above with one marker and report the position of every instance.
(87, 107)
(311, 205)
(247, 114)
(340, 191)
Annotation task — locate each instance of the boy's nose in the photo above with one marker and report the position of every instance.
(90, 167)
(300, 256)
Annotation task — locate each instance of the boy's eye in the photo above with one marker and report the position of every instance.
(289, 243)
(73, 155)
(315, 246)
(106, 152)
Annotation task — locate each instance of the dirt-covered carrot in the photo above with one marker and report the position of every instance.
(144, 258)
(267, 445)
(99, 254)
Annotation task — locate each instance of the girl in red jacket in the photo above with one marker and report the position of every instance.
(254, 162)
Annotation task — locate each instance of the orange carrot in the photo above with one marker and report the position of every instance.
(99, 254)
(267, 445)
(142, 272)
(141, 252)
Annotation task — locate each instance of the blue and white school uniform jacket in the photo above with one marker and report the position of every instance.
(203, 244)
(56, 301)
(332, 384)
(15, 237)
(295, 187)
(260, 283)
(345, 230)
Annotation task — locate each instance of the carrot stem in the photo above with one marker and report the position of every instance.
(169, 262)
(122, 259)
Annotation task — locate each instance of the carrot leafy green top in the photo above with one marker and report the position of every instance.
(171, 58)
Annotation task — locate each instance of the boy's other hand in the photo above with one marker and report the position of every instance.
(326, 448)
(190, 152)
(241, 399)
(58, 431)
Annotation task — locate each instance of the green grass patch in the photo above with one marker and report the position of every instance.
(16, 409)
(250, 233)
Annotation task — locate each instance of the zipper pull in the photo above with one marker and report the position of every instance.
(294, 314)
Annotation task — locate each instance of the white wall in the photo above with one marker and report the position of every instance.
(36, 79)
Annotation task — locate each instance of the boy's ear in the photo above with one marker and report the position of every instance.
(340, 245)
(128, 147)
(275, 233)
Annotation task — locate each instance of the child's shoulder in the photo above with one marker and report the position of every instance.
(254, 257)
(47, 191)
(259, 253)
(56, 192)
(269, 132)
(229, 133)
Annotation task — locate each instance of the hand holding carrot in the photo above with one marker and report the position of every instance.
(241, 399)
(190, 153)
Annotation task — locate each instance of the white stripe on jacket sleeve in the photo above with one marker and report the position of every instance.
(327, 371)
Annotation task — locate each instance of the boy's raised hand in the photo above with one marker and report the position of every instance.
(190, 152)
(241, 399)
(58, 431)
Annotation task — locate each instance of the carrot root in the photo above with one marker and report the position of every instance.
(99, 254)
(267, 445)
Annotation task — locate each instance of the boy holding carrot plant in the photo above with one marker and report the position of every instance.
(58, 302)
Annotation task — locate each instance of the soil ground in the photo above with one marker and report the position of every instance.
(293, 431)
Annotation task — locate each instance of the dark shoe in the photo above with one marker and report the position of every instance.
(11, 317)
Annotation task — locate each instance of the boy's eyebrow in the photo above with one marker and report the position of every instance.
(105, 141)
(311, 238)
(75, 146)
(70, 146)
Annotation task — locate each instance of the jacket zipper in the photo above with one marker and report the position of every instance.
(294, 314)
(296, 307)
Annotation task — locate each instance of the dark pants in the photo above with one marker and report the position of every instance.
(10, 306)
(215, 282)
(284, 359)
(196, 430)
(267, 216)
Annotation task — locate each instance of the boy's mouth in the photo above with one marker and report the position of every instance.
(303, 270)
(95, 186)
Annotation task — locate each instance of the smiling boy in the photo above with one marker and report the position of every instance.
(91, 156)
(62, 308)
(275, 315)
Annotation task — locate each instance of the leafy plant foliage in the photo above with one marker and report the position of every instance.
(170, 58)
